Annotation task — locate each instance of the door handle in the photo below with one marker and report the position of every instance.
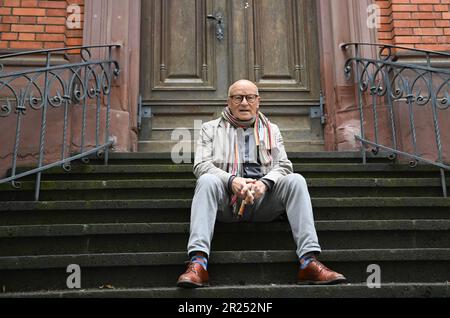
(220, 25)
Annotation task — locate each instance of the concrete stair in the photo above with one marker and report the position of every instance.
(189, 145)
(278, 292)
(127, 224)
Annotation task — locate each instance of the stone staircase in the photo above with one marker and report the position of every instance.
(126, 225)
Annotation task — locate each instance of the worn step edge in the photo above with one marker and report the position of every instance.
(388, 290)
(219, 257)
(186, 203)
(293, 155)
(190, 184)
(191, 143)
(296, 155)
(183, 228)
(187, 168)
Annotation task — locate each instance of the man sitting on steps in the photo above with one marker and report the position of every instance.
(244, 175)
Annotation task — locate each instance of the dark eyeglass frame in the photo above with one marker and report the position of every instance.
(237, 99)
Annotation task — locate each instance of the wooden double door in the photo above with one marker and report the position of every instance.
(192, 50)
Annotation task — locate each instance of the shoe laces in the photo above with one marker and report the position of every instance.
(191, 268)
(321, 266)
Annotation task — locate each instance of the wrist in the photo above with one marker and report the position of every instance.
(230, 183)
(267, 183)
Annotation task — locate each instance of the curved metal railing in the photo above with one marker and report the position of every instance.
(411, 97)
(53, 91)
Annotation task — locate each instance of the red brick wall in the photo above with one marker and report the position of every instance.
(37, 24)
(423, 24)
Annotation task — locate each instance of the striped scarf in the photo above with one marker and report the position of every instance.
(263, 140)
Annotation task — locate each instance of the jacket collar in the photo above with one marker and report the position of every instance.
(221, 122)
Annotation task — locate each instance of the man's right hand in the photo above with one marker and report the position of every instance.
(240, 186)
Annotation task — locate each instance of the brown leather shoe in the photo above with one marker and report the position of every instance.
(194, 277)
(318, 274)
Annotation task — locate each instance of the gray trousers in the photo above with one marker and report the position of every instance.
(290, 194)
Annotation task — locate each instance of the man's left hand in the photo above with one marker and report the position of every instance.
(259, 188)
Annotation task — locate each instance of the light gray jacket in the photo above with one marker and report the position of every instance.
(213, 147)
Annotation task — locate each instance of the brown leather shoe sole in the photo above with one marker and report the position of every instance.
(190, 284)
(324, 282)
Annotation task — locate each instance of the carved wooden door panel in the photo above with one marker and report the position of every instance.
(275, 45)
(182, 59)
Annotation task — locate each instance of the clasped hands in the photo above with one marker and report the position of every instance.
(248, 189)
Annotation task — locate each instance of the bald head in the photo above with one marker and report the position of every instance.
(243, 100)
(242, 83)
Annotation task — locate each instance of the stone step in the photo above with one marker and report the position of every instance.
(183, 227)
(186, 203)
(387, 290)
(90, 185)
(184, 171)
(159, 237)
(149, 211)
(189, 146)
(148, 270)
(167, 133)
(158, 214)
(147, 158)
(179, 188)
(173, 120)
(303, 157)
(332, 156)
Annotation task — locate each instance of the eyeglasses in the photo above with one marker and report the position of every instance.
(237, 99)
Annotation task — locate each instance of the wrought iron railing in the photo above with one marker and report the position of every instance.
(403, 103)
(66, 82)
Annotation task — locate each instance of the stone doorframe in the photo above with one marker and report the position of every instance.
(339, 21)
(118, 21)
